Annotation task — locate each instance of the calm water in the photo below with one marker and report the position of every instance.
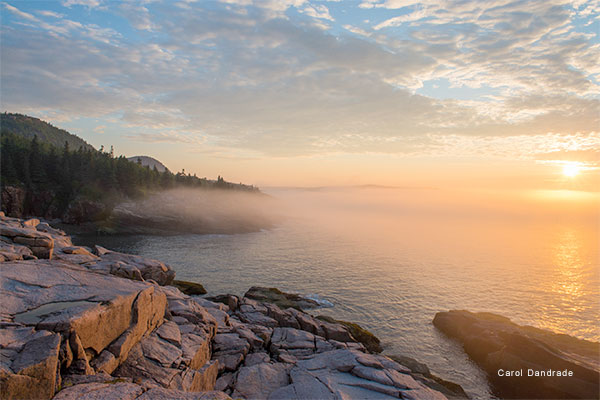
(391, 259)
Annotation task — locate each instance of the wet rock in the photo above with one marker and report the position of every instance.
(189, 288)
(370, 341)
(279, 298)
(421, 373)
(495, 343)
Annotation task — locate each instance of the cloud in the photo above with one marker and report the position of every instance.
(588, 156)
(396, 21)
(317, 11)
(52, 14)
(257, 78)
(138, 16)
(84, 3)
(19, 13)
(166, 137)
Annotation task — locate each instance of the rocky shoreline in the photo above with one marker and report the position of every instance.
(523, 361)
(89, 323)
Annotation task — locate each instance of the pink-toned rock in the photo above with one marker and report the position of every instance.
(29, 363)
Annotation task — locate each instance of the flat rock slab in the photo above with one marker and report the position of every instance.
(91, 309)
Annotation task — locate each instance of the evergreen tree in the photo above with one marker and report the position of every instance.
(36, 165)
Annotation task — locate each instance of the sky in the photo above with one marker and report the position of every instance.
(474, 94)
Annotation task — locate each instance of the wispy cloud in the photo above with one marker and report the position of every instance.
(19, 13)
(299, 77)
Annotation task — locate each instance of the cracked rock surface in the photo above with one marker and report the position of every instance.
(94, 324)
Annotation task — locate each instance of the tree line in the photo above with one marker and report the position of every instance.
(96, 175)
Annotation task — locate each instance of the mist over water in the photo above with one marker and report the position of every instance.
(390, 259)
(197, 211)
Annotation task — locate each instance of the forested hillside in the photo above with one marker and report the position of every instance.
(28, 127)
(38, 178)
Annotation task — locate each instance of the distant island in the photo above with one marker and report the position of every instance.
(51, 173)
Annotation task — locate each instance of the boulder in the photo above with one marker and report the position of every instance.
(496, 343)
(231, 301)
(40, 244)
(190, 288)
(370, 341)
(98, 391)
(259, 380)
(158, 361)
(95, 312)
(421, 373)
(279, 298)
(29, 363)
(76, 250)
(149, 269)
(13, 252)
(340, 374)
(164, 394)
(83, 210)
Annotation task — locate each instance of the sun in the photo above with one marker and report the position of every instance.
(571, 170)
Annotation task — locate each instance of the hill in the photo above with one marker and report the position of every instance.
(78, 183)
(28, 127)
(149, 162)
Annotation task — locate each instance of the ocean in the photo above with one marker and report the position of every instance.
(390, 258)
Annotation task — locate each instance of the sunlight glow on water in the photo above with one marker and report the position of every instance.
(390, 263)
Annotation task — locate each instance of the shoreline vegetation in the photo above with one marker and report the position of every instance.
(80, 322)
(50, 173)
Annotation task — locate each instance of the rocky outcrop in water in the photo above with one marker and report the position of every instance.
(281, 299)
(32, 239)
(91, 323)
(516, 356)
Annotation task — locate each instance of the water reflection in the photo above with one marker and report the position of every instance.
(569, 285)
(569, 267)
